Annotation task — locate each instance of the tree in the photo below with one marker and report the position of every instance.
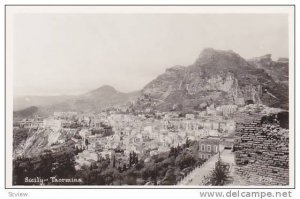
(87, 143)
(124, 167)
(44, 169)
(76, 150)
(120, 169)
(219, 176)
(133, 158)
(172, 151)
(114, 162)
(130, 178)
(65, 165)
(154, 175)
(19, 172)
(170, 177)
(130, 159)
(136, 159)
(139, 165)
(187, 142)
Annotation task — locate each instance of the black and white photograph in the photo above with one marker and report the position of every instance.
(150, 96)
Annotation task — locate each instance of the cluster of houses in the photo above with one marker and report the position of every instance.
(212, 145)
(147, 136)
(117, 135)
(41, 123)
(223, 110)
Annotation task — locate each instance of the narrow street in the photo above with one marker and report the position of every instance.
(197, 176)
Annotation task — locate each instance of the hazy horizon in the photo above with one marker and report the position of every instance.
(67, 54)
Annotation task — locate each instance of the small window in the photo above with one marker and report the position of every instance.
(202, 147)
(208, 148)
(216, 149)
(208, 156)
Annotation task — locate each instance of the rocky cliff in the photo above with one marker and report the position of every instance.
(217, 76)
(32, 142)
(278, 70)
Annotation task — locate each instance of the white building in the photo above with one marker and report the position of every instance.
(52, 123)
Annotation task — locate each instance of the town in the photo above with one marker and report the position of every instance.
(114, 134)
(120, 139)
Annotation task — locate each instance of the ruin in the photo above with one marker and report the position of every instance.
(262, 153)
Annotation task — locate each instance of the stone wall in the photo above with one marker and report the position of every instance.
(262, 153)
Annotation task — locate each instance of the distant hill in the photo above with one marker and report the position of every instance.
(25, 113)
(93, 101)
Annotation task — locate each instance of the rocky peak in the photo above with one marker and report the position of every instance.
(278, 70)
(264, 60)
(103, 91)
(220, 59)
(218, 76)
(175, 68)
(105, 88)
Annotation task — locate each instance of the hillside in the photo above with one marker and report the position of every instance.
(278, 70)
(25, 113)
(217, 76)
(93, 101)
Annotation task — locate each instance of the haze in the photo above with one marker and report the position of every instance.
(73, 53)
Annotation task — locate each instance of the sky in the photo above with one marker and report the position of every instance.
(69, 54)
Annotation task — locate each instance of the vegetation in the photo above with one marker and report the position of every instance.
(19, 135)
(219, 176)
(59, 165)
(163, 169)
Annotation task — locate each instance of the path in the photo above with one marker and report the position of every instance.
(197, 176)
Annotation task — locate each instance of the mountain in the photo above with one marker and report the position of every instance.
(216, 77)
(93, 101)
(96, 100)
(27, 112)
(278, 70)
